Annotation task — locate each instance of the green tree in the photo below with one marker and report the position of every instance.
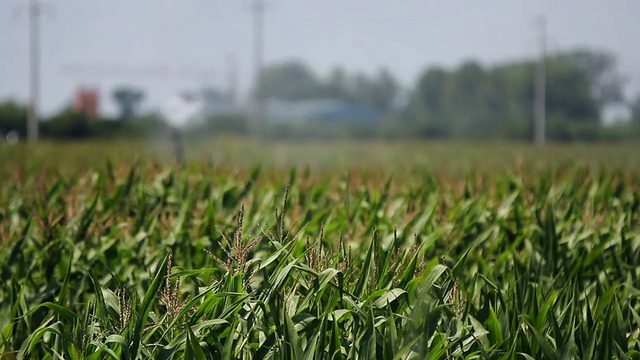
(426, 106)
(472, 101)
(67, 124)
(514, 84)
(385, 91)
(635, 109)
(13, 117)
(337, 84)
(361, 89)
(292, 80)
(569, 92)
(463, 98)
(128, 100)
(600, 70)
(378, 92)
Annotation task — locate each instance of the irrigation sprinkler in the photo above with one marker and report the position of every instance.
(12, 137)
(178, 111)
(178, 144)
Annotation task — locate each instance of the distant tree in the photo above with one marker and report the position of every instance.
(128, 100)
(67, 124)
(600, 70)
(212, 95)
(581, 83)
(426, 106)
(385, 90)
(463, 98)
(291, 80)
(635, 109)
(511, 99)
(294, 80)
(378, 92)
(337, 84)
(472, 101)
(430, 91)
(361, 89)
(570, 91)
(465, 83)
(13, 117)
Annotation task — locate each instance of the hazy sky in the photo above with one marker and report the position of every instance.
(406, 36)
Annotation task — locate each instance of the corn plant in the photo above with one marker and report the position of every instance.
(144, 260)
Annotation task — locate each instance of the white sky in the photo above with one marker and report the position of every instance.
(406, 36)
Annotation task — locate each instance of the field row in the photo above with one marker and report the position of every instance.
(153, 262)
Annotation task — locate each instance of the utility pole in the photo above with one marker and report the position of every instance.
(258, 9)
(34, 70)
(232, 79)
(540, 90)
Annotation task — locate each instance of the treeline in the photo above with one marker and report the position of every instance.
(474, 101)
(69, 124)
(470, 101)
(295, 81)
(477, 102)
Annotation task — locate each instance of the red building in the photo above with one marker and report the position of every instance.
(86, 101)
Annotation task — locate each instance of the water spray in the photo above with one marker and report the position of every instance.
(178, 112)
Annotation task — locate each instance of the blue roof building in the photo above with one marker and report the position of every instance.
(329, 111)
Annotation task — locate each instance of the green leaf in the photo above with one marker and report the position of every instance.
(291, 337)
(59, 310)
(388, 297)
(495, 330)
(193, 350)
(547, 349)
(147, 302)
(366, 269)
(391, 335)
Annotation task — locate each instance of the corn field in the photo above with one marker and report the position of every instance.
(146, 260)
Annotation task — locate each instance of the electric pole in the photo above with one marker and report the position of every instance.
(540, 90)
(34, 70)
(258, 8)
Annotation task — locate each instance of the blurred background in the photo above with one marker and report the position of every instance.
(522, 71)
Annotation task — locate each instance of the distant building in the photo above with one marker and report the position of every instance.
(86, 101)
(216, 103)
(327, 111)
(210, 103)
